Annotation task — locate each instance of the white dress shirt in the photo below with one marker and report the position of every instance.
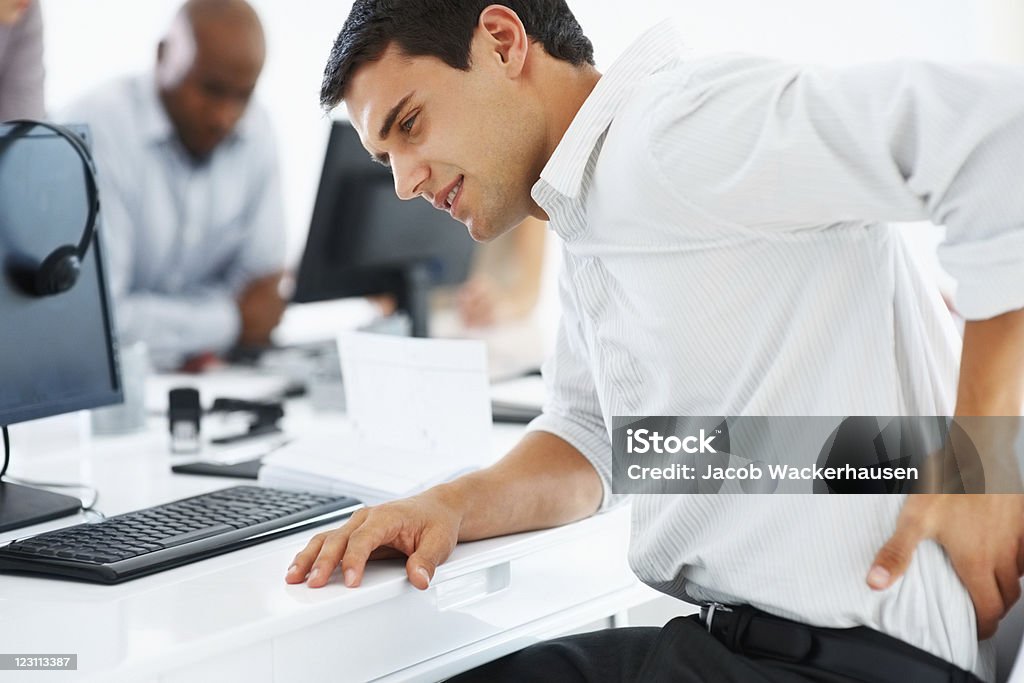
(724, 253)
(183, 238)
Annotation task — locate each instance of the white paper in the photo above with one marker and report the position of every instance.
(419, 412)
(428, 398)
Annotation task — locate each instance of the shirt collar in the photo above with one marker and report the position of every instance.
(651, 52)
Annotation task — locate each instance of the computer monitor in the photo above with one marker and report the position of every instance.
(364, 240)
(58, 353)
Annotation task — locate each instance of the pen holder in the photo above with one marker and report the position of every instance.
(184, 413)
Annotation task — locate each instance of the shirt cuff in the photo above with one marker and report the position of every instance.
(989, 275)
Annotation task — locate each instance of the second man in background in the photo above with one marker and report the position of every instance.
(191, 189)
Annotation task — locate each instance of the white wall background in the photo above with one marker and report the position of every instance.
(91, 41)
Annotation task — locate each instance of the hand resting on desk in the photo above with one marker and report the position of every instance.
(425, 528)
(542, 482)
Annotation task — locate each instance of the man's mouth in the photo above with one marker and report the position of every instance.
(449, 200)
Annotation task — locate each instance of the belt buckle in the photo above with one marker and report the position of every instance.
(709, 615)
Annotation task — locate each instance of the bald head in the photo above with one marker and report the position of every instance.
(215, 22)
(232, 11)
(207, 68)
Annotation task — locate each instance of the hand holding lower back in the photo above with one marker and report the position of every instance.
(981, 534)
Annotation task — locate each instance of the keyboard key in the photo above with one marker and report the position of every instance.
(199, 534)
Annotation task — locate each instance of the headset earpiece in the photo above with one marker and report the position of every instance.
(58, 272)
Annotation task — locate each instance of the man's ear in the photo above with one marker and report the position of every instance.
(175, 53)
(161, 70)
(504, 38)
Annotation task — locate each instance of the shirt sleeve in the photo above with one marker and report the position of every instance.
(21, 70)
(776, 147)
(177, 327)
(572, 410)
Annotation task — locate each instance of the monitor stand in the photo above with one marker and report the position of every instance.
(413, 296)
(23, 506)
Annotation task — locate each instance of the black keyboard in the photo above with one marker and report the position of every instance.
(146, 541)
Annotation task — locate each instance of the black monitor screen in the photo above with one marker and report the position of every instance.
(57, 353)
(361, 230)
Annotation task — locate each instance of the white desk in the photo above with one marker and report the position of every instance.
(232, 618)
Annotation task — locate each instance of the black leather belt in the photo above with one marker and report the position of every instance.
(860, 653)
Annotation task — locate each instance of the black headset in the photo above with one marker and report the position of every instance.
(59, 271)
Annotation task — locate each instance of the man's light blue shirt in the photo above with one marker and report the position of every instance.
(183, 237)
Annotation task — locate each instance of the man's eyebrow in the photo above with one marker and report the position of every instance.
(389, 120)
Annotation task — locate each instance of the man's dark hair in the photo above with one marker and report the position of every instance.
(442, 29)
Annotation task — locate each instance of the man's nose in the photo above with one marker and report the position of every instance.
(226, 114)
(409, 175)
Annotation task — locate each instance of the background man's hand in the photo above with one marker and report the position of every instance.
(982, 534)
(478, 303)
(424, 528)
(260, 306)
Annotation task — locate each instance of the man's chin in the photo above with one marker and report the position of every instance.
(202, 148)
(482, 231)
(478, 231)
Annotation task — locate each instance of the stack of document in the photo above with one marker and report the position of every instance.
(346, 467)
(419, 414)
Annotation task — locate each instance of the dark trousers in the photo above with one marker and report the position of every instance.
(681, 652)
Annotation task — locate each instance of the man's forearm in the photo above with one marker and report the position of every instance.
(260, 307)
(991, 385)
(992, 366)
(542, 482)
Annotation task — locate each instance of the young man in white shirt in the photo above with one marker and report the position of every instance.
(723, 254)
